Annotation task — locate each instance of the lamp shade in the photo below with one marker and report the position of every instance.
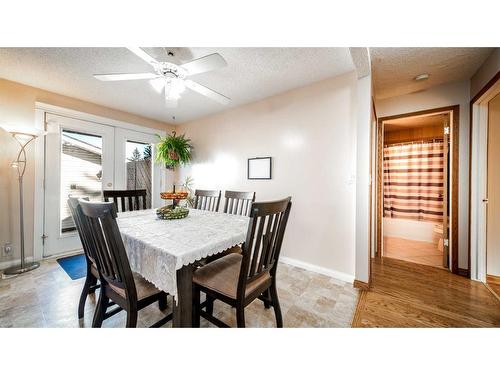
(25, 130)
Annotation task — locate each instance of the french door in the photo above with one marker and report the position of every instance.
(84, 158)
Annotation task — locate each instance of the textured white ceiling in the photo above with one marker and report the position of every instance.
(394, 68)
(252, 74)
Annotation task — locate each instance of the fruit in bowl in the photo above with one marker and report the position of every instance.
(171, 212)
(174, 195)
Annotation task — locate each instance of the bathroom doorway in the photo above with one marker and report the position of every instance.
(418, 189)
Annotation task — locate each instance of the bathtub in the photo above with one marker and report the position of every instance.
(410, 229)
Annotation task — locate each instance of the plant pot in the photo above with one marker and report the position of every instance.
(173, 155)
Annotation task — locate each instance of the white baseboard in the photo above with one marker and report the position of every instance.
(321, 270)
(13, 262)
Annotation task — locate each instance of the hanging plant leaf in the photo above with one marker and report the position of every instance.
(173, 150)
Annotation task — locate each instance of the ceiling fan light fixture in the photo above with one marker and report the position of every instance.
(174, 87)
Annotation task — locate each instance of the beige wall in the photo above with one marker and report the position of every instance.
(443, 96)
(486, 72)
(493, 223)
(311, 134)
(17, 107)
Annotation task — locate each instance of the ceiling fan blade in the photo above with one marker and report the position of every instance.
(158, 84)
(125, 76)
(204, 64)
(143, 55)
(203, 90)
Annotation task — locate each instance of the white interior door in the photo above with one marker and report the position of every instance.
(134, 164)
(79, 161)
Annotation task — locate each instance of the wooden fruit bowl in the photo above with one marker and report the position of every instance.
(176, 195)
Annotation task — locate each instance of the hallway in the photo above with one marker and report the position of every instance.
(404, 294)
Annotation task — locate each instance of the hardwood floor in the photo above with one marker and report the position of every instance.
(493, 283)
(420, 252)
(404, 294)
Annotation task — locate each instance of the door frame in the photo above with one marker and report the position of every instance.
(478, 148)
(55, 124)
(454, 166)
(41, 109)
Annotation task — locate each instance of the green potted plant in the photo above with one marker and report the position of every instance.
(173, 150)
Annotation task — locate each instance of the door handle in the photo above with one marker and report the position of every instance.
(485, 200)
(109, 184)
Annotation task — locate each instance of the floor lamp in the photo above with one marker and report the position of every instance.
(23, 136)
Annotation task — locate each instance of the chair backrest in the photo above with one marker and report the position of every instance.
(99, 219)
(76, 213)
(207, 200)
(129, 199)
(262, 246)
(238, 202)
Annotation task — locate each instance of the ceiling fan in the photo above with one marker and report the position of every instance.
(171, 79)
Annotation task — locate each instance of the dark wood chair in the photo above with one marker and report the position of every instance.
(92, 277)
(130, 199)
(128, 290)
(238, 279)
(238, 202)
(90, 285)
(207, 200)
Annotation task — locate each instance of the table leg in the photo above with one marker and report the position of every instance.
(183, 307)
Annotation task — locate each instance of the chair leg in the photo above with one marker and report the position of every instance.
(240, 316)
(210, 305)
(93, 283)
(162, 302)
(132, 318)
(89, 281)
(100, 311)
(196, 307)
(267, 295)
(276, 305)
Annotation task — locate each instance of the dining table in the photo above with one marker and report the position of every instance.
(166, 252)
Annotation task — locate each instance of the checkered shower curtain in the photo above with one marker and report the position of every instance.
(413, 181)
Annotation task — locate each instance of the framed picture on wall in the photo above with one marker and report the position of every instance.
(259, 168)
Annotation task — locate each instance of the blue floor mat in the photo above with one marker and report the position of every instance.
(75, 266)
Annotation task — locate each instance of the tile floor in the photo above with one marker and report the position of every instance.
(47, 297)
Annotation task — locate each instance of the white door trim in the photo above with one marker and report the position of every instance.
(41, 109)
(479, 157)
(56, 110)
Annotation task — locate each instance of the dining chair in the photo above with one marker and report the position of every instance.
(238, 279)
(238, 202)
(207, 200)
(128, 290)
(90, 285)
(129, 199)
(92, 276)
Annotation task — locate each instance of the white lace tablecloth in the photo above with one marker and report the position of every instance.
(158, 248)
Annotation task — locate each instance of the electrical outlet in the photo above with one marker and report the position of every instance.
(7, 249)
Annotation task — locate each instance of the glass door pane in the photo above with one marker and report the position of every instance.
(135, 167)
(139, 171)
(81, 171)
